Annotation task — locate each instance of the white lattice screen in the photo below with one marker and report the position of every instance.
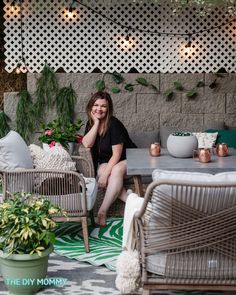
(88, 41)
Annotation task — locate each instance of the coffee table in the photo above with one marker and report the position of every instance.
(140, 163)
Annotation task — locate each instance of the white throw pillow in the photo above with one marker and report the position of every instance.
(14, 152)
(56, 158)
(206, 140)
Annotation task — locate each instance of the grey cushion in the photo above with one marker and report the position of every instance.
(14, 152)
(145, 138)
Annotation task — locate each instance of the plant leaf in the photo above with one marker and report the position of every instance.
(191, 93)
(178, 85)
(168, 94)
(153, 87)
(142, 81)
(200, 84)
(115, 89)
(118, 78)
(129, 87)
(100, 85)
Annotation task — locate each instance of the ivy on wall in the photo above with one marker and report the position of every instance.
(121, 83)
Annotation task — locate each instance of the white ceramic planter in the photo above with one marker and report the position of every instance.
(181, 146)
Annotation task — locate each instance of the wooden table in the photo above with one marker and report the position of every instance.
(140, 163)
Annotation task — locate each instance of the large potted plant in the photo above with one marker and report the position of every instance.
(27, 237)
(55, 132)
(181, 144)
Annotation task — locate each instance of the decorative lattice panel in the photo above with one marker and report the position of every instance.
(88, 41)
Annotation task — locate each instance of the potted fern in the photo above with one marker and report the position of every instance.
(27, 237)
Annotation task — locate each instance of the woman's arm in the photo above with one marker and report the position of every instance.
(90, 137)
(116, 154)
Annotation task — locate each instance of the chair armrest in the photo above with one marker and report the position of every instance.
(84, 166)
(60, 186)
(85, 153)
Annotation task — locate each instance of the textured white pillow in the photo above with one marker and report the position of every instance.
(206, 140)
(57, 158)
(14, 152)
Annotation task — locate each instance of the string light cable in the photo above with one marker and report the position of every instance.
(188, 35)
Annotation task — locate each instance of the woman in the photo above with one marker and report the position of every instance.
(108, 139)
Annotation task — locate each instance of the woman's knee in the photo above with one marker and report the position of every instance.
(119, 169)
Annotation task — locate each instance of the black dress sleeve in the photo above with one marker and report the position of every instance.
(117, 132)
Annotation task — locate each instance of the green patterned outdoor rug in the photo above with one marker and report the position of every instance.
(105, 242)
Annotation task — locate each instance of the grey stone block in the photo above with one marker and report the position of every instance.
(206, 102)
(186, 122)
(231, 103)
(225, 84)
(10, 104)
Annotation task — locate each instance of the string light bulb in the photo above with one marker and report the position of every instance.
(189, 44)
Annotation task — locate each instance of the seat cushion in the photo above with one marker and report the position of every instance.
(198, 200)
(14, 152)
(225, 136)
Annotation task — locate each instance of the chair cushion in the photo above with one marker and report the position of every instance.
(14, 152)
(202, 202)
(225, 136)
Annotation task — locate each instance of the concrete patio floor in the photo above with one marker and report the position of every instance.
(85, 279)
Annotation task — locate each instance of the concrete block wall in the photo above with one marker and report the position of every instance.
(144, 109)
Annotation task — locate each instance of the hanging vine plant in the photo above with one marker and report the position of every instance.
(120, 80)
(25, 115)
(65, 105)
(46, 90)
(4, 127)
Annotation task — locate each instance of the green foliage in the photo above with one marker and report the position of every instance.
(100, 85)
(46, 90)
(191, 94)
(54, 132)
(117, 77)
(4, 127)
(200, 84)
(178, 85)
(182, 133)
(25, 119)
(115, 89)
(129, 87)
(142, 81)
(26, 224)
(169, 94)
(65, 104)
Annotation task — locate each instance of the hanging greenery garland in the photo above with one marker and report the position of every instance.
(65, 105)
(4, 127)
(25, 115)
(46, 90)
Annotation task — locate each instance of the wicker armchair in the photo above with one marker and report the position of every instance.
(65, 188)
(186, 233)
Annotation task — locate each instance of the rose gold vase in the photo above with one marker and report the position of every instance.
(222, 149)
(204, 155)
(155, 149)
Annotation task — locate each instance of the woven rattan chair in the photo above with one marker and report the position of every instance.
(64, 188)
(186, 234)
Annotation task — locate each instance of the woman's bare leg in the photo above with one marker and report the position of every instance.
(115, 188)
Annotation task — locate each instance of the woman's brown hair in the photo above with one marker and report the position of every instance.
(96, 96)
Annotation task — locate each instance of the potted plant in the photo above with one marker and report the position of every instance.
(27, 237)
(54, 132)
(181, 144)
